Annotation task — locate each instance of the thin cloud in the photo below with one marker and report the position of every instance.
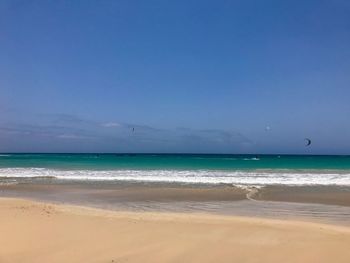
(72, 137)
(111, 124)
(106, 136)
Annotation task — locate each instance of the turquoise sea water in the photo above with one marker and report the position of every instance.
(181, 168)
(173, 161)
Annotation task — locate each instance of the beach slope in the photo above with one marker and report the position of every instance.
(42, 232)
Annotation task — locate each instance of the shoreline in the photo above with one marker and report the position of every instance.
(44, 232)
(293, 203)
(164, 191)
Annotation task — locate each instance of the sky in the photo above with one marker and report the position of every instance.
(245, 76)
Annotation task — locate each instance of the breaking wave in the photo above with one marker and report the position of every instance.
(248, 178)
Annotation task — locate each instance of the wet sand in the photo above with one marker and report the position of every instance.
(172, 192)
(43, 232)
(329, 195)
(322, 204)
(126, 192)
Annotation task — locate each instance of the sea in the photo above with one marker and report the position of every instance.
(237, 170)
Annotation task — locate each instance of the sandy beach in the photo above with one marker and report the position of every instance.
(43, 232)
(174, 131)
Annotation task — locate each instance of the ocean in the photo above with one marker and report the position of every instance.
(238, 170)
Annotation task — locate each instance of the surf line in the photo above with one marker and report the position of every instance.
(252, 191)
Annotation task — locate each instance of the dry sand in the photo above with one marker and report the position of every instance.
(42, 232)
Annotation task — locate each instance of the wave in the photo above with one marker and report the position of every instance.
(248, 178)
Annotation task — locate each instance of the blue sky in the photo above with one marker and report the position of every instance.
(189, 76)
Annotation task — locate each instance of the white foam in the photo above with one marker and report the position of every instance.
(248, 178)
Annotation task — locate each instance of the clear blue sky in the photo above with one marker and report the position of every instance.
(190, 76)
